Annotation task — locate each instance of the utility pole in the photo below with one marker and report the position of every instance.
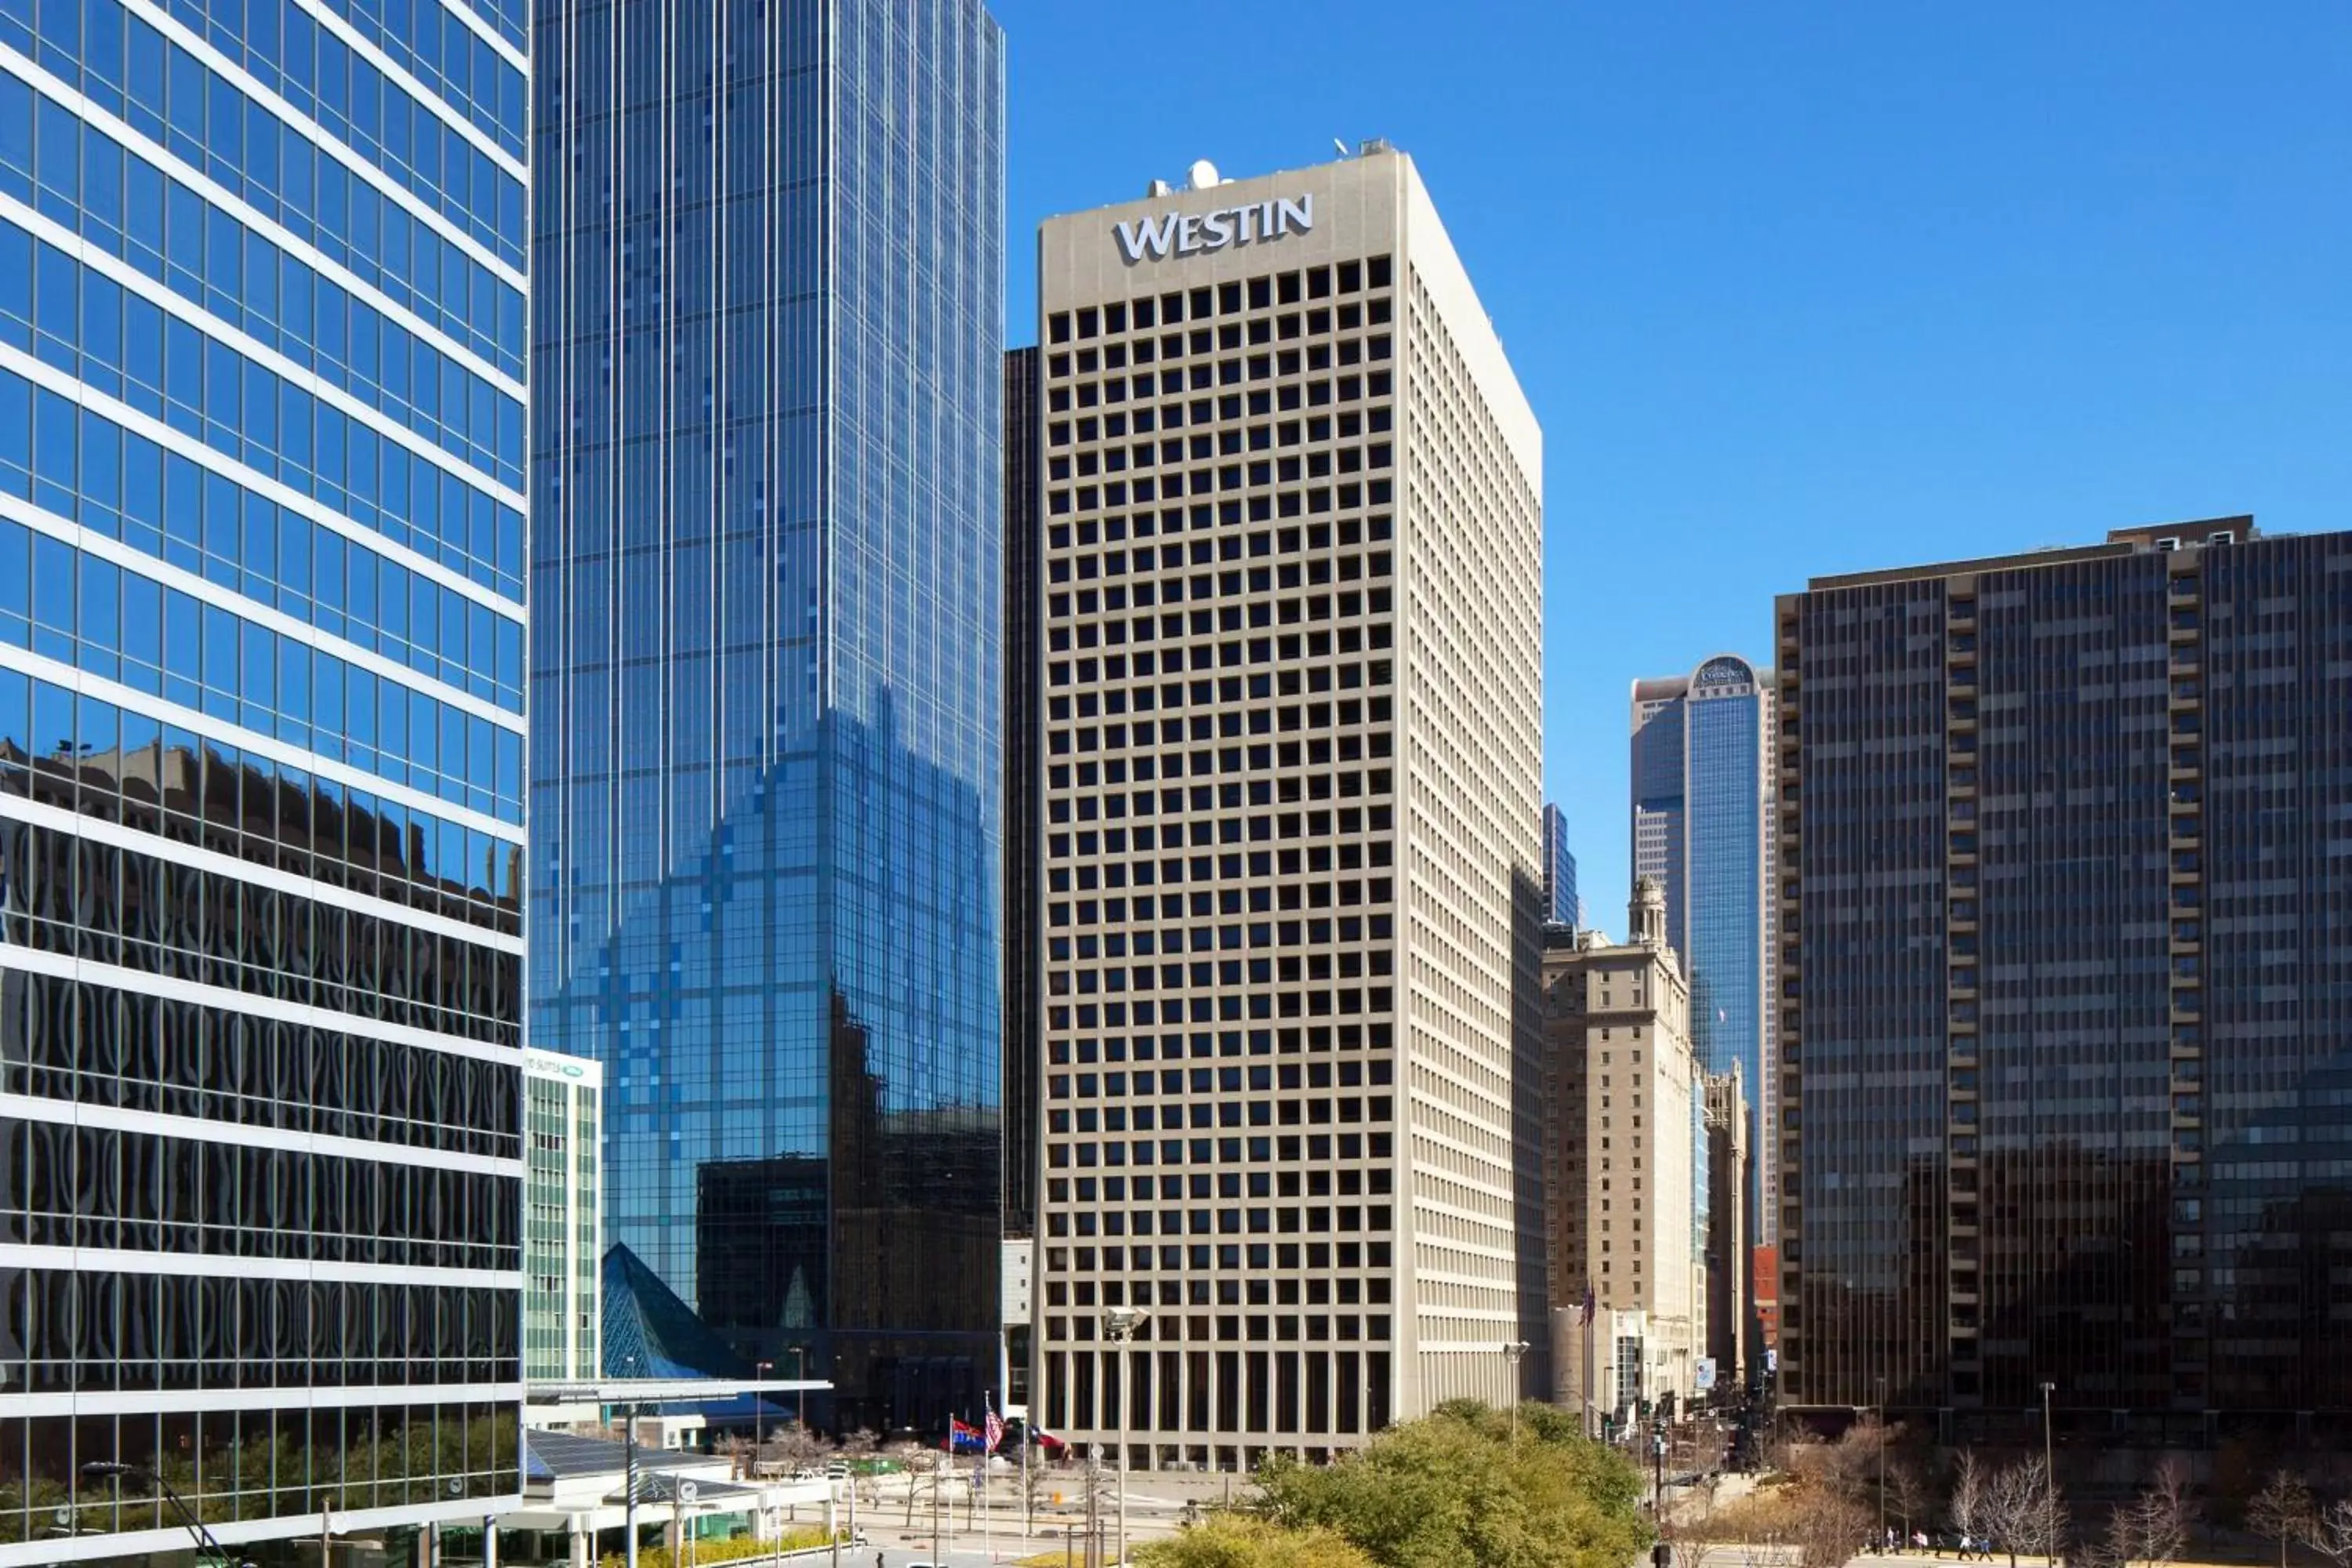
(2049, 1476)
(936, 1469)
(1881, 1436)
(1123, 1322)
(760, 1370)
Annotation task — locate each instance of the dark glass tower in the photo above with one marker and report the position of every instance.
(2063, 863)
(261, 791)
(767, 692)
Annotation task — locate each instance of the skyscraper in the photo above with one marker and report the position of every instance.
(2063, 851)
(563, 1232)
(1628, 1183)
(1701, 778)
(1025, 549)
(766, 695)
(1290, 762)
(1560, 906)
(262, 697)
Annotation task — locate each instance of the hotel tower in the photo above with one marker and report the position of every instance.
(1290, 708)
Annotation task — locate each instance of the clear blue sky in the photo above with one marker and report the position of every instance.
(1797, 288)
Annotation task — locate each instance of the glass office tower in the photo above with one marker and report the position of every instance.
(766, 687)
(1700, 781)
(261, 742)
(1560, 905)
(2063, 851)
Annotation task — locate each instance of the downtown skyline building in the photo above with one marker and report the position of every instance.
(1701, 825)
(1626, 1182)
(1289, 762)
(262, 622)
(1560, 904)
(766, 690)
(2063, 985)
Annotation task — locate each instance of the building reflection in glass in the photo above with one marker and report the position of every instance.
(766, 699)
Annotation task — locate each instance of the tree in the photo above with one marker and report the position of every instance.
(2023, 1511)
(1906, 1494)
(1453, 1491)
(916, 1461)
(2330, 1533)
(2158, 1519)
(1833, 1530)
(1968, 1507)
(2283, 1511)
(1232, 1539)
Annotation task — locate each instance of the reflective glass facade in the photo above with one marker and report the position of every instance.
(1700, 785)
(2066, 989)
(767, 689)
(261, 767)
(1560, 905)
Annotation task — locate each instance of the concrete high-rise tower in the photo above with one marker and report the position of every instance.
(1291, 768)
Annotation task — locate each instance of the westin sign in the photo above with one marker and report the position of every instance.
(1191, 234)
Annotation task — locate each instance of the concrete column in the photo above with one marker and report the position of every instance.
(489, 1543)
(580, 1542)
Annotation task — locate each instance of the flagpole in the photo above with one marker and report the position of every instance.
(987, 1451)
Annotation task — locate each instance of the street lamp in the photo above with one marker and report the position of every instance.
(1122, 1322)
(760, 1370)
(1511, 1354)
(114, 1469)
(629, 1468)
(1881, 1436)
(2049, 1476)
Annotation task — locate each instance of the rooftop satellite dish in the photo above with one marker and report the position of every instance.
(1341, 148)
(1200, 176)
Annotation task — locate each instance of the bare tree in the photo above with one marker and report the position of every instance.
(2283, 1511)
(1833, 1531)
(2330, 1534)
(1906, 1494)
(916, 1461)
(2161, 1516)
(1968, 1507)
(2023, 1512)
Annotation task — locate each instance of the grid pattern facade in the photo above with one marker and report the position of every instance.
(261, 633)
(1622, 1178)
(767, 750)
(2061, 989)
(1024, 544)
(1290, 891)
(562, 1241)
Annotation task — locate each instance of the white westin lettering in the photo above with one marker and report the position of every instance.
(1190, 233)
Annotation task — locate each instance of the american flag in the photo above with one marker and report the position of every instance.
(1586, 1320)
(995, 1427)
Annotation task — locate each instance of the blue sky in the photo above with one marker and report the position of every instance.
(1797, 288)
